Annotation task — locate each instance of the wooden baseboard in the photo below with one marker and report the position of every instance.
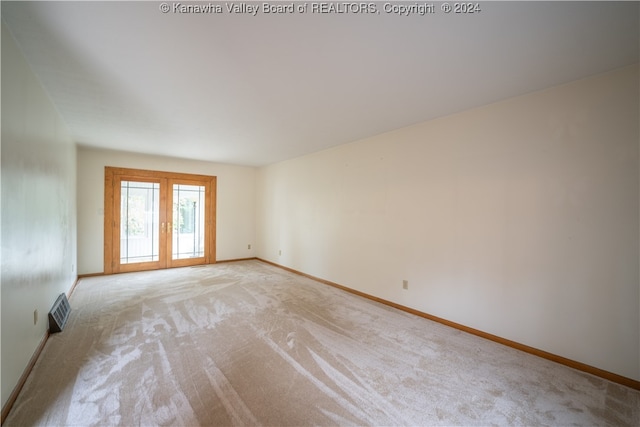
(73, 287)
(219, 261)
(23, 378)
(619, 379)
(82, 276)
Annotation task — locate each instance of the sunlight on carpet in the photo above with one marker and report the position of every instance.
(246, 343)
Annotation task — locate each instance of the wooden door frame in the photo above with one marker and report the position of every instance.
(110, 233)
(116, 225)
(171, 263)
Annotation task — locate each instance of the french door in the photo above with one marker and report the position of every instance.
(157, 220)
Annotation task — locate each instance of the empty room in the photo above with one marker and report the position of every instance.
(291, 213)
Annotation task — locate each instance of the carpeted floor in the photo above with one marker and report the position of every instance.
(246, 343)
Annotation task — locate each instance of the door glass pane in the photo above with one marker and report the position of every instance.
(188, 221)
(139, 217)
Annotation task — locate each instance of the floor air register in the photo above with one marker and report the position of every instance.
(59, 314)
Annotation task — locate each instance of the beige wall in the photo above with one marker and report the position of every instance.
(38, 212)
(235, 202)
(519, 218)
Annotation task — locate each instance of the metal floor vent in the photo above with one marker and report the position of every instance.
(59, 314)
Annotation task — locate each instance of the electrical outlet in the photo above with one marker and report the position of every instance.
(280, 252)
(35, 316)
(249, 246)
(405, 284)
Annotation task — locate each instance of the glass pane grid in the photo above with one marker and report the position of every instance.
(188, 221)
(139, 218)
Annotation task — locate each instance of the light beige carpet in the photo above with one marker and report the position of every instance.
(246, 343)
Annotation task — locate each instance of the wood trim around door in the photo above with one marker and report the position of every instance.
(113, 174)
(210, 222)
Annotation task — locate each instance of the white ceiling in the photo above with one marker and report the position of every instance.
(254, 90)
